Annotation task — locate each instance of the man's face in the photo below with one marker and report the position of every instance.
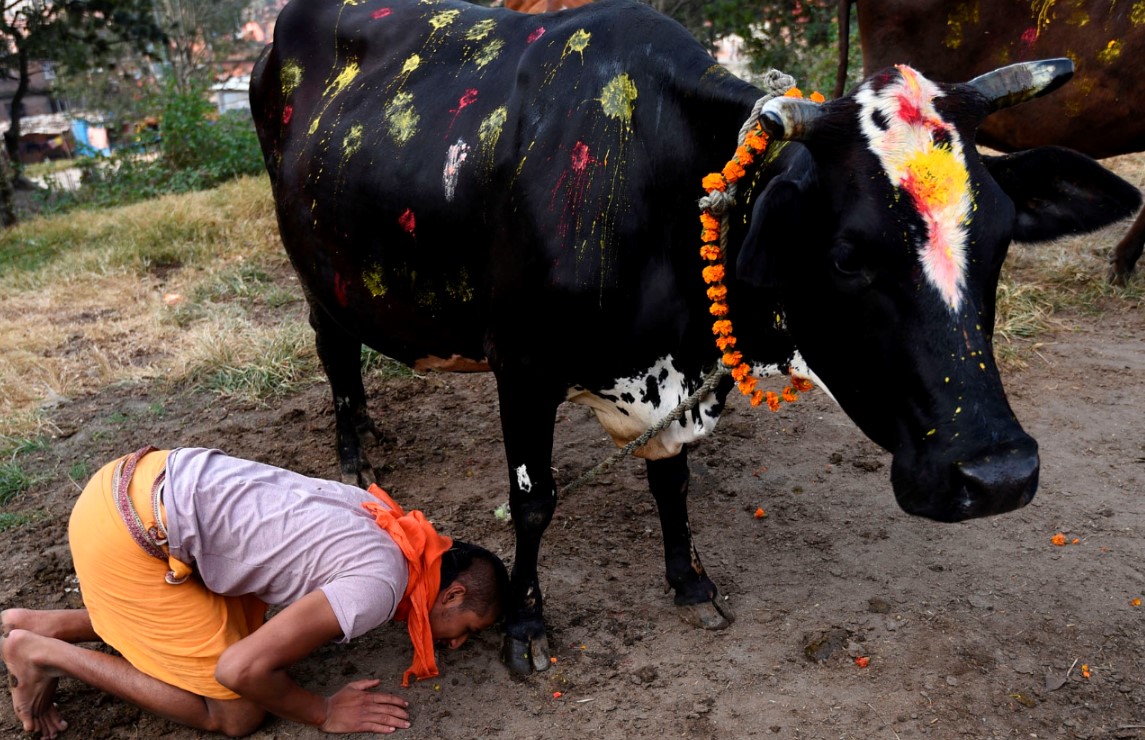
(452, 625)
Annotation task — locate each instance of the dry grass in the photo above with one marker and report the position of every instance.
(88, 299)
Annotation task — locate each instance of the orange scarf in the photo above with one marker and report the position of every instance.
(423, 548)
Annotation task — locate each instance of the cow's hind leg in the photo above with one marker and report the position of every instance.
(698, 599)
(1128, 251)
(341, 356)
(527, 417)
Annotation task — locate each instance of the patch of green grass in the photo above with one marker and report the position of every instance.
(79, 472)
(9, 520)
(246, 282)
(14, 480)
(118, 417)
(375, 363)
(254, 363)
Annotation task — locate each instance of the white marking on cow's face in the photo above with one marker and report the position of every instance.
(454, 158)
(523, 480)
(922, 155)
(633, 404)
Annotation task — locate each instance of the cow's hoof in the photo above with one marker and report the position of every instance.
(524, 657)
(710, 615)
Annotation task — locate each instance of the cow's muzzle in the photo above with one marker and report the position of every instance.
(994, 481)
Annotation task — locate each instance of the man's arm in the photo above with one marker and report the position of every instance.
(255, 668)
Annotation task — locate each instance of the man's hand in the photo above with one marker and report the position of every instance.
(355, 709)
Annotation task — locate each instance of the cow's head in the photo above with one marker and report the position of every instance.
(884, 234)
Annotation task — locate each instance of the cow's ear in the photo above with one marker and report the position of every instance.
(774, 219)
(1058, 191)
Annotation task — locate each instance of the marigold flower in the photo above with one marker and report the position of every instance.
(732, 359)
(747, 385)
(1135, 602)
(794, 92)
(1058, 539)
(724, 342)
(740, 372)
(743, 155)
(722, 327)
(710, 252)
(708, 221)
(1085, 670)
(717, 292)
(713, 273)
(755, 140)
(862, 661)
(817, 97)
(733, 171)
(760, 513)
(790, 395)
(709, 235)
(801, 384)
(757, 398)
(718, 309)
(714, 181)
(772, 400)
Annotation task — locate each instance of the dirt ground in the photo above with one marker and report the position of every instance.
(982, 629)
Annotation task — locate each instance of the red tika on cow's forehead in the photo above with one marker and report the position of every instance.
(922, 156)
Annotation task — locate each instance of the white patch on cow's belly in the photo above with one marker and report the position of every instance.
(523, 480)
(628, 410)
(798, 368)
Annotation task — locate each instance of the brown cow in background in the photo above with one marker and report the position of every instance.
(1101, 112)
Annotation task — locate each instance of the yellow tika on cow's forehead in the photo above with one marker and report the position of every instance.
(922, 156)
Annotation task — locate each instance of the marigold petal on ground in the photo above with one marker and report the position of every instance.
(1135, 602)
(760, 513)
(1058, 539)
(862, 661)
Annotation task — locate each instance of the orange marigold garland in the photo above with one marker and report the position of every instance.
(754, 144)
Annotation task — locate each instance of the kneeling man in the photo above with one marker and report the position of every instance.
(178, 553)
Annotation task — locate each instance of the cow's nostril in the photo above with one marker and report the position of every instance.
(1002, 480)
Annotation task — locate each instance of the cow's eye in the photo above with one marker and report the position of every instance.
(851, 272)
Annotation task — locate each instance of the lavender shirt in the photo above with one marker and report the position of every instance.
(255, 529)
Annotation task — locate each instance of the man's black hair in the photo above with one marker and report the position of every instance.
(484, 575)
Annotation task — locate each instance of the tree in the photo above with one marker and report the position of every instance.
(74, 34)
(200, 34)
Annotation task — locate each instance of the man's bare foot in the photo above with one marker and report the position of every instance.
(33, 687)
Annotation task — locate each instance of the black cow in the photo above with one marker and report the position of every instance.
(475, 188)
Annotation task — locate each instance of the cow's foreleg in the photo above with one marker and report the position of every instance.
(341, 356)
(1128, 251)
(698, 599)
(527, 418)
